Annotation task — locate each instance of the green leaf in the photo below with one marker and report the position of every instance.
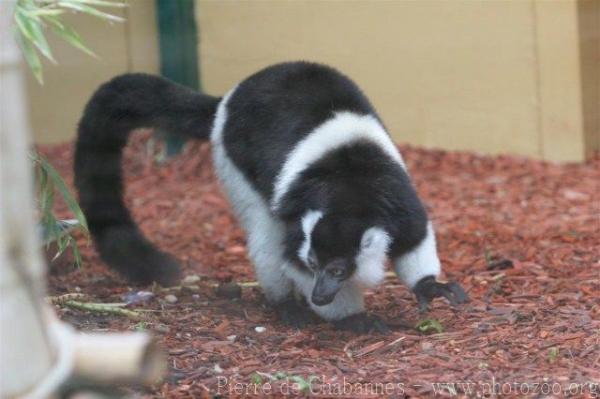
(429, 325)
(32, 30)
(488, 257)
(78, 6)
(50, 225)
(42, 182)
(256, 379)
(42, 12)
(303, 384)
(76, 254)
(64, 191)
(63, 241)
(141, 326)
(69, 35)
(280, 375)
(31, 57)
(553, 354)
(46, 195)
(100, 3)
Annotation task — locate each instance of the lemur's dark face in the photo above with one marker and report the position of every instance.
(338, 249)
(330, 277)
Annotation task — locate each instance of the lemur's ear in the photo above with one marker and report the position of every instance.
(300, 198)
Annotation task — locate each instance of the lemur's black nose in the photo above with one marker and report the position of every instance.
(322, 300)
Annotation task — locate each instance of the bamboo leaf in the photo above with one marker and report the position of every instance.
(100, 3)
(53, 20)
(32, 30)
(78, 6)
(31, 57)
(43, 12)
(46, 195)
(69, 35)
(64, 191)
(62, 243)
(50, 225)
(76, 254)
(42, 183)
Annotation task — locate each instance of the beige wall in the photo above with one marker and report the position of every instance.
(55, 107)
(589, 33)
(488, 76)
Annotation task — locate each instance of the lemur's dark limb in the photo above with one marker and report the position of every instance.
(427, 289)
(295, 314)
(362, 323)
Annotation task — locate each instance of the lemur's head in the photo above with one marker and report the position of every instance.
(338, 249)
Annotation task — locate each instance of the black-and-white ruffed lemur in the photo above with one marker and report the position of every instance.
(314, 178)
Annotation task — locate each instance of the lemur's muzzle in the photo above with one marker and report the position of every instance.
(325, 288)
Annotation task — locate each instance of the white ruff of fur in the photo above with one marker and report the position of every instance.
(309, 221)
(264, 232)
(370, 261)
(343, 129)
(421, 262)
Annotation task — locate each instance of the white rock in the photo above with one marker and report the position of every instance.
(171, 298)
(191, 279)
(260, 329)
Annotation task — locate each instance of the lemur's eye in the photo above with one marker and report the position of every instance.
(337, 272)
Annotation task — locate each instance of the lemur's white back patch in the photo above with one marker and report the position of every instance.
(309, 221)
(370, 261)
(343, 129)
(421, 262)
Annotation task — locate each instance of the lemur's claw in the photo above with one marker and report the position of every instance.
(427, 289)
(362, 323)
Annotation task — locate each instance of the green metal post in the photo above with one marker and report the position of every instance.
(178, 42)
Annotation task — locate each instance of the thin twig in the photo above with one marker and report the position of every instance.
(102, 308)
(61, 299)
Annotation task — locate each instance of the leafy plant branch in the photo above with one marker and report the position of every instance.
(54, 230)
(33, 18)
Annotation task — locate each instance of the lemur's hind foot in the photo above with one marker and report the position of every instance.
(362, 323)
(295, 314)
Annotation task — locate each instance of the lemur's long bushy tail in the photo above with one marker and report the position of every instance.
(119, 106)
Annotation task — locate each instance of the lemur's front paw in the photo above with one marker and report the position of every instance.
(294, 315)
(362, 323)
(428, 288)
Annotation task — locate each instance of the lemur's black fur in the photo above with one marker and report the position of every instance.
(272, 110)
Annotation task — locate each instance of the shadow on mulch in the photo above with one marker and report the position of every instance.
(522, 237)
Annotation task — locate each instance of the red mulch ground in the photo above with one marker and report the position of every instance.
(531, 329)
